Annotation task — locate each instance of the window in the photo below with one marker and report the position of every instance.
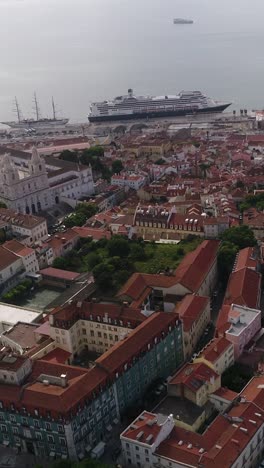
(36, 423)
(63, 441)
(48, 426)
(50, 438)
(60, 429)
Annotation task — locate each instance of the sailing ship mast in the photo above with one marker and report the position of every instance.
(36, 106)
(17, 110)
(53, 109)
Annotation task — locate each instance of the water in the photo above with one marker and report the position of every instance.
(85, 50)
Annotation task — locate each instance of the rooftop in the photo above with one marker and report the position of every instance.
(181, 408)
(59, 274)
(244, 288)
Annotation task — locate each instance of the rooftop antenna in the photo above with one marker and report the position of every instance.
(36, 106)
(17, 110)
(53, 109)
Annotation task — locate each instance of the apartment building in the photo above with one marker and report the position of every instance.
(62, 411)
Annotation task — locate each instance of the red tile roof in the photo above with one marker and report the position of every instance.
(215, 349)
(226, 394)
(59, 274)
(57, 356)
(244, 288)
(97, 311)
(7, 258)
(146, 422)
(191, 272)
(196, 265)
(193, 376)
(83, 382)
(191, 308)
(96, 234)
(246, 258)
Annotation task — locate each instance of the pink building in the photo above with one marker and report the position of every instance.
(243, 324)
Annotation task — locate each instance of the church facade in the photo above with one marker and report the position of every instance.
(29, 184)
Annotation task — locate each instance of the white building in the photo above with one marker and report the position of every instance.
(140, 440)
(30, 184)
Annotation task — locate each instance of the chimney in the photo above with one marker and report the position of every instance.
(64, 380)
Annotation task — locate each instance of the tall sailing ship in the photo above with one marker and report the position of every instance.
(39, 121)
(130, 106)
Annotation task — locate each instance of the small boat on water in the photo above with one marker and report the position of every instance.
(182, 21)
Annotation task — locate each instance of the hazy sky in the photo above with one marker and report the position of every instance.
(83, 50)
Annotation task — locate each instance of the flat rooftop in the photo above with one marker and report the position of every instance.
(181, 408)
(10, 314)
(23, 334)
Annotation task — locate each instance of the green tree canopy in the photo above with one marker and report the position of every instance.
(118, 247)
(117, 166)
(241, 236)
(82, 212)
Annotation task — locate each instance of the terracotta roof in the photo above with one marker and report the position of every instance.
(196, 265)
(244, 288)
(148, 424)
(59, 274)
(222, 443)
(215, 349)
(225, 393)
(137, 340)
(23, 220)
(191, 308)
(97, 311)
(193, 375)
(7, 258)
(246, 258)
(83, 382)
(96, 234)
(57, 356)
(18, 248)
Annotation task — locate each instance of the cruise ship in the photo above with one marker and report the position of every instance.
(131, 106)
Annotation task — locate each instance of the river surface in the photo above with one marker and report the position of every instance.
(86, 50)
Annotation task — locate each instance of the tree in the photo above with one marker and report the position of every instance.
(82, 212)
(137, 252)
(241, 236)
(61, 263)
(117, 166)
(118, 246)
(225, 259)
(103, 275)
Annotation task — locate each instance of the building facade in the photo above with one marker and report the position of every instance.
(30, 184)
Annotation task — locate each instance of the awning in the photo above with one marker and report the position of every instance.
(81, 455)
(88, 448)
(109, 428)
(52, 454)
(115, 421)
(6, 443)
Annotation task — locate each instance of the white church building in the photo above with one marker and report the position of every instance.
(30, 184)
